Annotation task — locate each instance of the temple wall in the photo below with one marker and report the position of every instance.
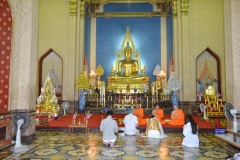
(57, 31)
(205, 30)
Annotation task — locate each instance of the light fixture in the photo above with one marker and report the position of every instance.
(92, 75)
(162, 75)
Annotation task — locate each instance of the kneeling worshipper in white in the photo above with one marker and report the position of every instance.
(190, 131)
(154, 128)
(131, 122)
(109, 127)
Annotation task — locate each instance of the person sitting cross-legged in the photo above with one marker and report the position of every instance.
(159, 114)
(139, 113)
(109, 127)
(177, 116)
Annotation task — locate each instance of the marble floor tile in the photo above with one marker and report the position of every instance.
(82, 146)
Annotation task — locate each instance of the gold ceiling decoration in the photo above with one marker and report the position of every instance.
(162, 5)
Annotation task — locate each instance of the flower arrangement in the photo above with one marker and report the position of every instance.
(174, 82)
(88, 115)
(75, 116)
(82, 81)
(157, 70)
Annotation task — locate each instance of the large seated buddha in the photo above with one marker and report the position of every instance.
(127, 73)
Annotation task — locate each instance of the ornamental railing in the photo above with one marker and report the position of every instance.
(120, 101)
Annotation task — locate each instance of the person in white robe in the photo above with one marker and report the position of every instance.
(190, 131)
(154, 128)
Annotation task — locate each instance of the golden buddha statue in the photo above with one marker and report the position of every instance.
(127, 69)
(47, 102)
(128, 65)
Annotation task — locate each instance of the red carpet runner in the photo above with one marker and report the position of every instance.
(95, 120)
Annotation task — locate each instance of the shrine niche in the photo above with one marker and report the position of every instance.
(127, 73)
(51, 64)
(208, 75)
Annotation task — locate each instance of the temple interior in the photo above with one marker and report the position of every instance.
(64, 63)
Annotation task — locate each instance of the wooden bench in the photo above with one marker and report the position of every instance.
(234, 134)
(230, 138)
(72, 126)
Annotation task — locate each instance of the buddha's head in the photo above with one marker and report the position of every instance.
(128, 51)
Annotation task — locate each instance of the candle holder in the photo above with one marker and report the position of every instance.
(74, 121)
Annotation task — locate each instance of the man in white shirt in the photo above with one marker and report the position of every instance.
(131, 122)
(109, 127)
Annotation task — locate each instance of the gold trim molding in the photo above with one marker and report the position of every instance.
(82, 9)
(128, 14)
(162, 5)
(174, 8)
(127, 1)
(73, 7)
(184, 7)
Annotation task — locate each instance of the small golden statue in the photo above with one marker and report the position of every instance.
(47, 102)
(128, 89)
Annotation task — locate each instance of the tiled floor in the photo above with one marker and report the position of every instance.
(78, 145)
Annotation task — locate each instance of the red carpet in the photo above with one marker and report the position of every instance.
(95, 120)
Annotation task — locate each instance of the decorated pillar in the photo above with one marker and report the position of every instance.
(232, 50)
(72, 55)
(93, 44)
(163, 47)
(24, 60)
(177, 38)
(80, 29)
(185, 92)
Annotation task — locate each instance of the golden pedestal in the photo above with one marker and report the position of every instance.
(120, 84)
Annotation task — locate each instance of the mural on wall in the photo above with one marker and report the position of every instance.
(52, 65)
(207, 77)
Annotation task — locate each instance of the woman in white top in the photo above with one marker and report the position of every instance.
(190, 131)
